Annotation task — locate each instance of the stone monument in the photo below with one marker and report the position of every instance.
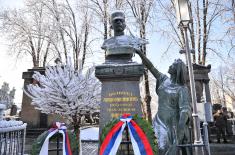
(33, 117)
(202, 80)
(119, 74)
(13, 111)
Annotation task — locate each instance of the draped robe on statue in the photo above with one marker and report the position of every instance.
(173, 101)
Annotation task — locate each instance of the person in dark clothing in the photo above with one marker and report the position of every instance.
(220, 123)
(229, 130)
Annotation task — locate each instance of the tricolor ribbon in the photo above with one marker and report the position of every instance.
(140, 143)
(61, 128)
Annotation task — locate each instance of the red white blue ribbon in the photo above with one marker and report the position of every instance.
(140, 143)
(61, 128)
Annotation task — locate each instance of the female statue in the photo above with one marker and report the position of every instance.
(172, 120)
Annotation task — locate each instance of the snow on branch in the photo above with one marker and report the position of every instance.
(64, 91)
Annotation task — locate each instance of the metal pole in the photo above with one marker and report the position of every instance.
(196, 126)
(24, 136)
(206, 140)
(127, 139)
(205, 124)
(57, 144)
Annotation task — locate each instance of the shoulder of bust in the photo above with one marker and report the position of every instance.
(107, 42)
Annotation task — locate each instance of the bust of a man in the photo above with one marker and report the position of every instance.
(121, 44)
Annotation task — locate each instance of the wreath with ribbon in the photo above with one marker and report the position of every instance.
(141, 134)
(70, 144)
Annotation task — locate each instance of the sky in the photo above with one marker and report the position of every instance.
(11, 70)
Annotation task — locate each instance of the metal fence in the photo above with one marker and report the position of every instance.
(12, 140)
(88, 147)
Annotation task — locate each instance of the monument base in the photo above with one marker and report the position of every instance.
(120, 90)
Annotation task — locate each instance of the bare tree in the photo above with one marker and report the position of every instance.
(233, 9)
(49, 27)
(26, 30)
(141, 11)
(224, 83)
(100, 9)
(69, 27)
(229, 20)
(205, 15)
(215, 92)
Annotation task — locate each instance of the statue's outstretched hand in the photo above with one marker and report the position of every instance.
(138, 51)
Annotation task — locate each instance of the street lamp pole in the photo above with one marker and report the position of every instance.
(197, 133)
(183, 15)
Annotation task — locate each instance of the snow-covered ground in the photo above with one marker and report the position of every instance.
(91, 133)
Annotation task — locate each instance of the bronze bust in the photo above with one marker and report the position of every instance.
(121, 44)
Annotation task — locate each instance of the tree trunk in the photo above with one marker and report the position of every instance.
(60, 28)
(192, 37)
(199, 34)
(34, 57)
(46, 53)
(76, 126)
(105, 3)
(205, 35)
(86, 33)
(105, 19)
(233, 10)
(147, 98)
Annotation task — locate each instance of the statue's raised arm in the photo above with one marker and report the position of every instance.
(148, 64)
(158, 75)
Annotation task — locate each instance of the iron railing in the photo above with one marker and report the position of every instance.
(12, 140)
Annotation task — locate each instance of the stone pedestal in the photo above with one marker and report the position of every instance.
(120, 90)
(202, 88)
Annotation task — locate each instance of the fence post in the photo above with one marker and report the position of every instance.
(23, 141)
(57, 144)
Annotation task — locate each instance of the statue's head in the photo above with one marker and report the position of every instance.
(178, 71)
(118, 22)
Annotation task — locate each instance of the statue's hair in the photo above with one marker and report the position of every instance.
(181, 71)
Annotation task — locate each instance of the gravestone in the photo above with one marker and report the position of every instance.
(13, 111)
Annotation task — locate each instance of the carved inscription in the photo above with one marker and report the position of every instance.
(120, 102)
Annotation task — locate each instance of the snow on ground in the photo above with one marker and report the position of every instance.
(90, 133)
